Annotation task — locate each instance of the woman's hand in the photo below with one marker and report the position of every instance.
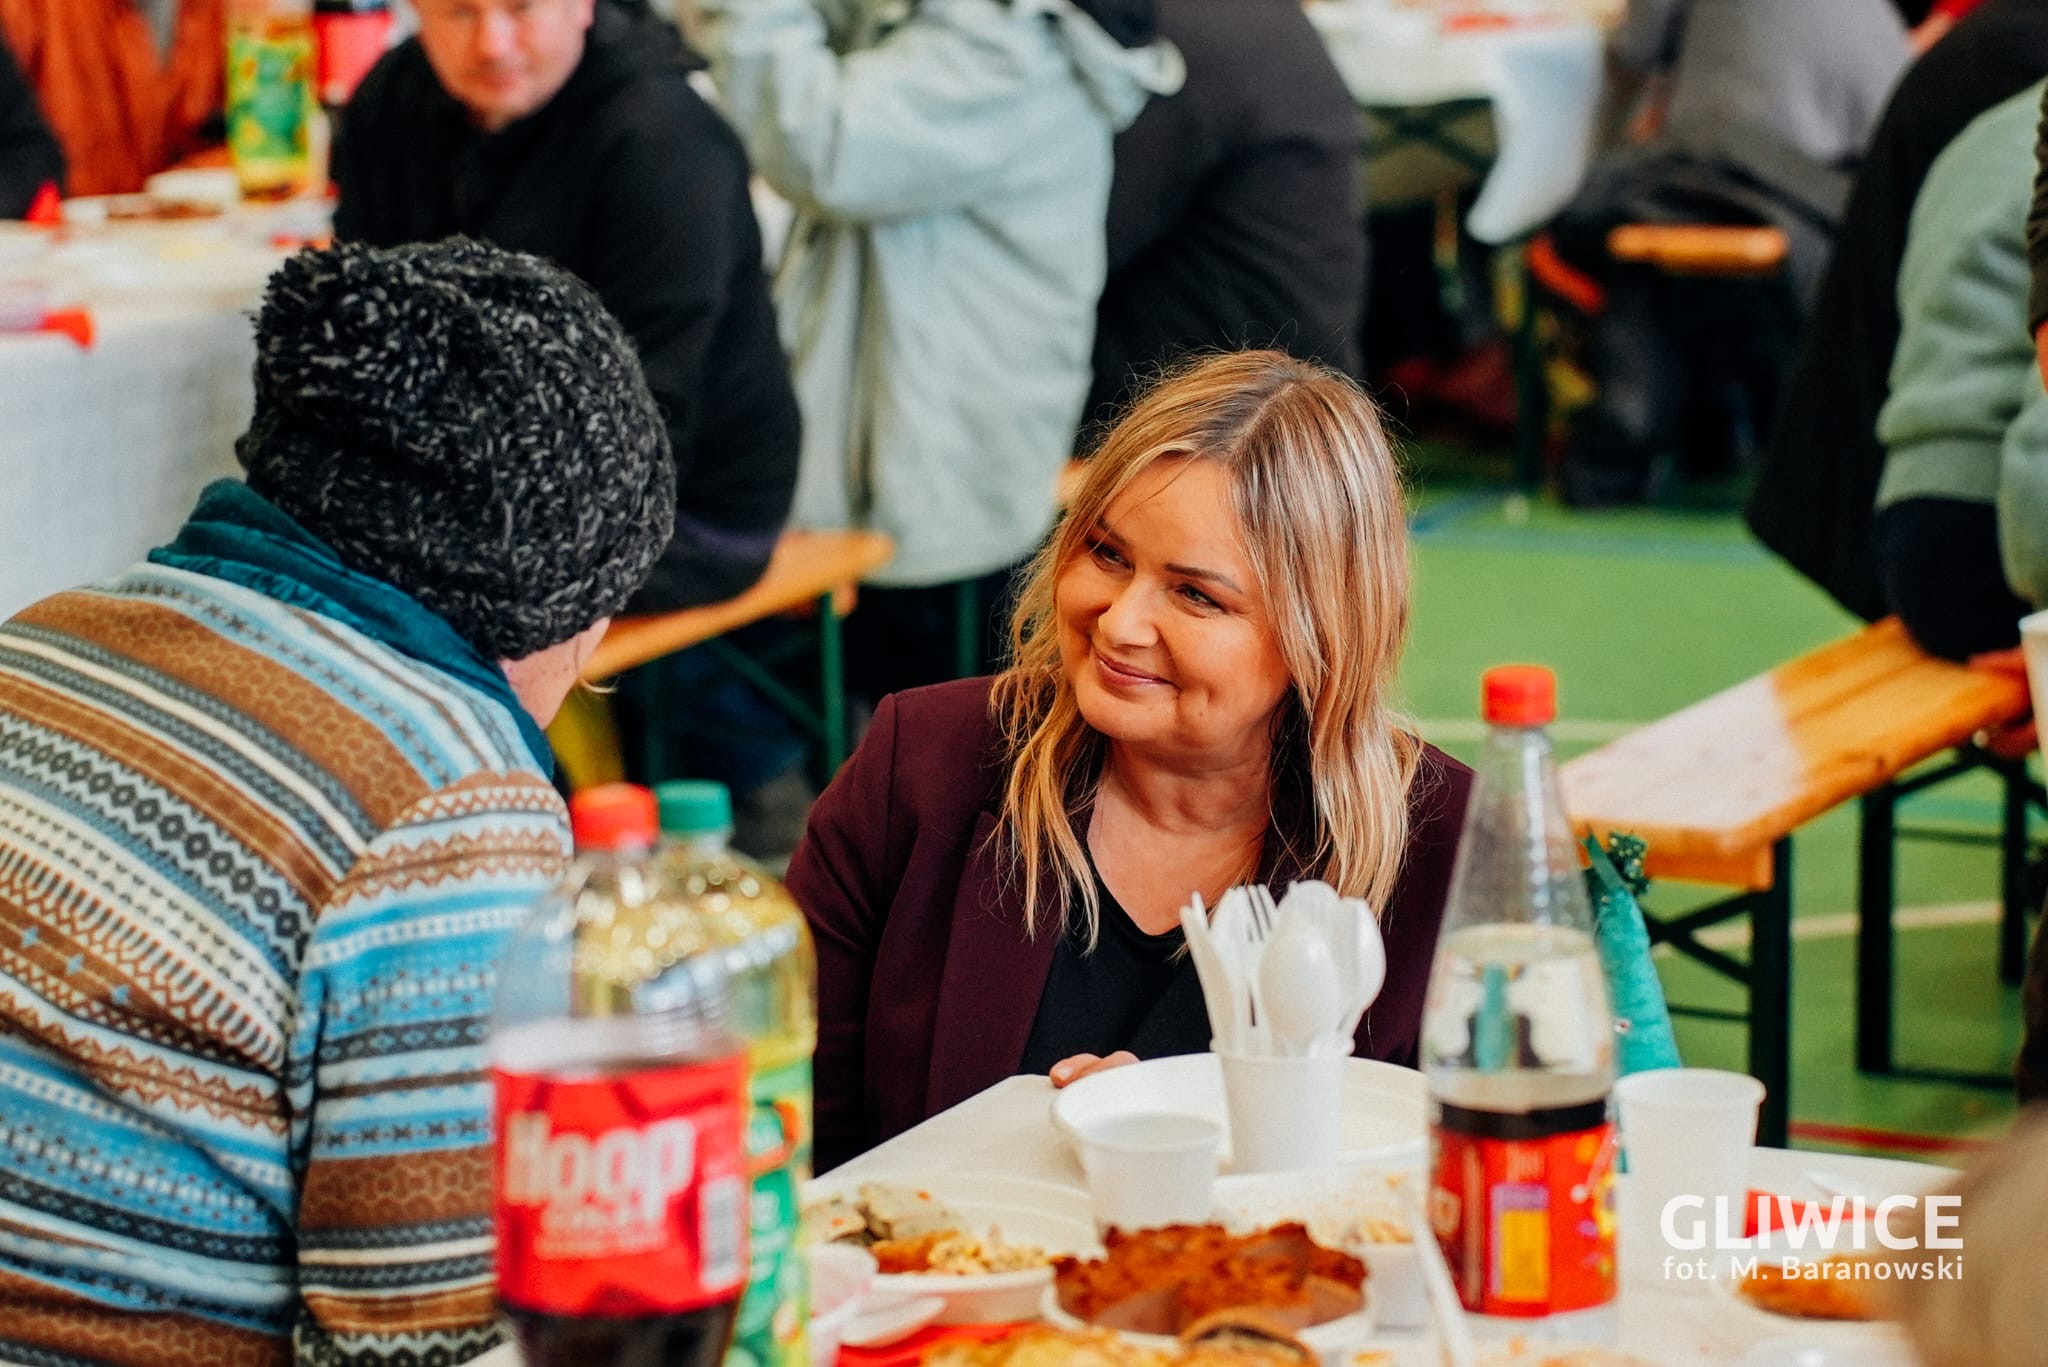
(1071, 1070)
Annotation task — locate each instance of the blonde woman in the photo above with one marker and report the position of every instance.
(1203, 657)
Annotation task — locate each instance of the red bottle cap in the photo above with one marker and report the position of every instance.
(1518, 695)
(614, 816)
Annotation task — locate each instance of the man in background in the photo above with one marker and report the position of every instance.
(571, 129)
(568, 129)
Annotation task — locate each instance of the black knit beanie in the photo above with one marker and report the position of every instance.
(467, 424)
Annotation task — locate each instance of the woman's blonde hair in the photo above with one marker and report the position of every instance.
(1317, 495)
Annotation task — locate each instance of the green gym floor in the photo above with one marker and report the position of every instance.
(1640, 612)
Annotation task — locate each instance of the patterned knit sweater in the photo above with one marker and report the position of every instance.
(255, 872)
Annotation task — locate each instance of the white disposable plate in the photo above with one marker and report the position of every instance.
(1384, 1119)
(1356, 1210)
(1058, 1219)
(1332, 1340)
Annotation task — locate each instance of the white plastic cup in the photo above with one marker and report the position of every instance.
(1151, 1169)
(1688, 1134)
(1283, 1110)
(2034, 649)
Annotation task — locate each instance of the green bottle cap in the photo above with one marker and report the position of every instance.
(694, 806)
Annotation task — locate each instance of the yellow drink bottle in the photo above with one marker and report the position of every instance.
(270, 105)
(774, 994)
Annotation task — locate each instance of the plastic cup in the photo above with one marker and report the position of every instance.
(1151, 1169)
(1283, 1110)
(1687, 1133)
(2034, 649)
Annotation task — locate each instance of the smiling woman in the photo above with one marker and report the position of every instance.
(1199, 696)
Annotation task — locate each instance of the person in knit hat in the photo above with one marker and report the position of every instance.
(270, 802)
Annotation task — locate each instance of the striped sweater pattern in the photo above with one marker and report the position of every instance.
(255, 873)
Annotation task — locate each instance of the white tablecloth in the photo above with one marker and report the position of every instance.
(1542, 74)
(103, 449)
(1007, 1130)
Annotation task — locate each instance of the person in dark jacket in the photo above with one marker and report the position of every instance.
(1817, 486)
(1203, 656)
(1766, 108)
(570, 130)
(1235, 211)
(29, 155)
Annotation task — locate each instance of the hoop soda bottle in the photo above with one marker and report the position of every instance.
(1518, 1042)
(621, 1174)
(773, 974)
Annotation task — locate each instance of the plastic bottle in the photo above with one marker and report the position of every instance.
(351, 36)
(774, 986)
(1518, 1045)
(621, 1173)
(270, 105)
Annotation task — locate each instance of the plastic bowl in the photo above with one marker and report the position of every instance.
(1057, 1218)
(840, 1279)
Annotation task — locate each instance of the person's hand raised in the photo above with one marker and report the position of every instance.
(1071, 1070)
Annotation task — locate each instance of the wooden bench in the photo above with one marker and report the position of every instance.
(808, 568)
(1718, 789)
(1700, 248)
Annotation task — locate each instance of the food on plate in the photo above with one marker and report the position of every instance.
(912, 1232)
(1826, 1290)
(1353, 1211)
(1042, 1346)
(1162, 1281)
(1519, 1352)
(150, 209)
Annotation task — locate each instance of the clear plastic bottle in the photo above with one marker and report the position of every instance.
(271, 111)
(1518, 1044)
(621, 1173)
(775, 1007)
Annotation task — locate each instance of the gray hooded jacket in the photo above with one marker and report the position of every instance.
(950, 168)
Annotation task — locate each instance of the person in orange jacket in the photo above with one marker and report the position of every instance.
(122, 107)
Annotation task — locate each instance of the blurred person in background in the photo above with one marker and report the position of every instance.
(1235, 215)
(272, 802)
(29, 155)
(950, 165)
(572, 129)
(1962, 505)
(1756, 112)
(1815, 497)
(130, 87)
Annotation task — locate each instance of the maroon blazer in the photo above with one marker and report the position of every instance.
(927, 983)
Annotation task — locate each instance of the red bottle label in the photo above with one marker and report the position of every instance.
(1526, 1222)
(621, 1194)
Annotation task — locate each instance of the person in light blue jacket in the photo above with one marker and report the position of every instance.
(1961, 507)
(950, 166)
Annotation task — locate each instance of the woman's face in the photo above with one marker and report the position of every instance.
(1163, 630)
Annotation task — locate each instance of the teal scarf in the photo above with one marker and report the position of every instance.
(238, 535)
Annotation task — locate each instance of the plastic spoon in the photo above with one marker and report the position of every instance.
(1368, 968)
(1298, 980)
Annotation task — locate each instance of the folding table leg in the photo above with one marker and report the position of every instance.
(1875, 894)
(831, 685)
(1770, 997)
(2012, 926)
